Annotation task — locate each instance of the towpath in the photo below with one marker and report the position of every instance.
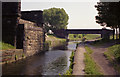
(101, 60)
(98, 56)
(78, 68)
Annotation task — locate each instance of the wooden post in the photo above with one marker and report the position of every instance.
(113, 33)
(119, 32)
(116, 34)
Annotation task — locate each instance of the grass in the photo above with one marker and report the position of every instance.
(5, 46)
(91, 67)
(74, 37)
(100, 42)
(89, 51)
(55, 38)
(111, 37)
(113, 55)
(93, 36)
(55, 41)
(69, 72)
(78, 37)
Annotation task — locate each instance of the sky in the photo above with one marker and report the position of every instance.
(81, 13)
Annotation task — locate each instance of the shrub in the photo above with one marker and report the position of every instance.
(115, 52)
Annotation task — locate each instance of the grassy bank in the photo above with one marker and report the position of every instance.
(113, 55)
(5, 46)
(102, 42)
(55, 41)
(69, 72)
(91, 67)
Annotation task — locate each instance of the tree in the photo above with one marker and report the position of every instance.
(109, 15)
(55, 18)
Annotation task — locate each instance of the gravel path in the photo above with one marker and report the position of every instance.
(101, 60)
(98, 56)
(78, 68)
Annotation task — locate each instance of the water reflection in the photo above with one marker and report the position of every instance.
(51, 62)
(57, 66)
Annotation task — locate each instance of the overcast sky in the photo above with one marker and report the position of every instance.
(81, 13)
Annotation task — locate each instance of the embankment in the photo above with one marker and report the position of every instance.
(55, 43)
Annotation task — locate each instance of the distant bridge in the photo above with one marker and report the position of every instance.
(105, 33)
(87, 31)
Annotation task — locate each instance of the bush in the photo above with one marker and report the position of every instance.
(115, 52)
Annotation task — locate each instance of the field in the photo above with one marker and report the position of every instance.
(79, 37)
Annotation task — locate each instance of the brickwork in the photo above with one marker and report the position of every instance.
(11, 55)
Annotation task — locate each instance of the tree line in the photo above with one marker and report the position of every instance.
(109, 15)
(55, 18)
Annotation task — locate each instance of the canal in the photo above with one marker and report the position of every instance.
(52, 62)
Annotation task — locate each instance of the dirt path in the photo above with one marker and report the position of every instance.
(101, 60)
(78, 68)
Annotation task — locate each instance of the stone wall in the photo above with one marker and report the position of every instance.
(33, 41)
(11, 55)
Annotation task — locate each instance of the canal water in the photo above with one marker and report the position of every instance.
(52, 62)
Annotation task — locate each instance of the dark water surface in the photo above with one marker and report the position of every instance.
(51, 62)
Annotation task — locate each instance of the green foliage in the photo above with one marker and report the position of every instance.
(69, 72)
(74, 37)
(79, 37)
(55, 41)
(71, 62)
(113, 55)
(91, 67)
(113, 52)
(108, 13)
(55, 18)
(5, 46)
(92, 36)
(89, 50)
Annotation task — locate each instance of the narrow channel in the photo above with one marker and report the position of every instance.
(52, 62)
